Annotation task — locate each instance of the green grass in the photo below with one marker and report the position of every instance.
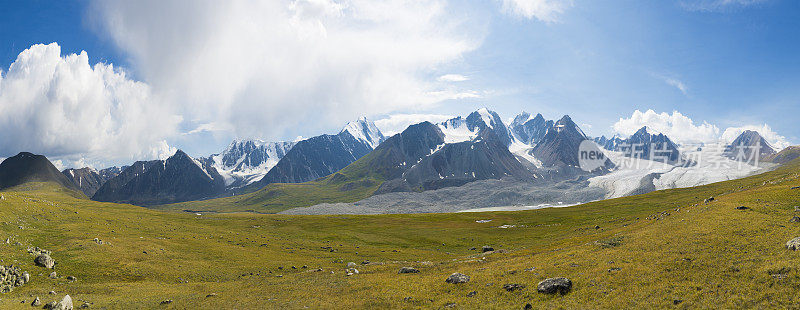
(660, 248)
(355, 182)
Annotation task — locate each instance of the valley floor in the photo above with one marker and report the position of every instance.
(663, 249)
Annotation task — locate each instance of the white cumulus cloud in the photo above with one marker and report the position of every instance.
(266, 68)
(678, 127)
(547, 11)
(453, 78)
(773, 138)
(65, 108)
(396, 123)
(682, 129)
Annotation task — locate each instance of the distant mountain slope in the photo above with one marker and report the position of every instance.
(87, 179)
(486, 157)
(323, 155)
(247, 161)
(27, 167)
(179, 178)
(530, 130)
(784, 156)
(748, 146)
(461, 129)
(644, 145)
(609, 143)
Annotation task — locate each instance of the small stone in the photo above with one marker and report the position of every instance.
(408, 270)
(36, 302)
(211, 295)
(166, 302)
(795, 219)
(528, 307)
(457, 278)
(85, 305)
(742, 208)
(53, 275)
(71, 279)
(64, 304)
(513, 287)
(793, 244)
(450, 305)
(44, 260)
(52, 293)
(471, 294)
(555, 285)
(351, 265)
(677, 302)
(596, 226)
(487, 248)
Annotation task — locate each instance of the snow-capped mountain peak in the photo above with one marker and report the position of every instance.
(461, 129)
(248, 160)
(365, 131)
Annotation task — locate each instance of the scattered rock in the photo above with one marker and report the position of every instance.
(44, 260)
(457, 278)
(709, 199)
(64, 304)
(408, 270)
(742, 208)
(11, 277)
(450, 305)
(211, 295)
(53, 275)
(71, 279)
(85, 305)
(793, 244)
(677, 302)
(52, 293)
(166, 302)
(471, 294)
(795, 219)
(487, 248)
(554, 285)
(36, 302)
(98, 241)
(596, 226)
(513, 287)
(351, 265)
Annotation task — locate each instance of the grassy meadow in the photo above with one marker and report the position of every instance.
(666, 249)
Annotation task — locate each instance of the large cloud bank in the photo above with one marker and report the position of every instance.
(62, 106)
(682, 129)
(263, 67)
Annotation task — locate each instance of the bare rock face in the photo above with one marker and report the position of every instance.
(457, 278)
(44, 260)
(555, 285)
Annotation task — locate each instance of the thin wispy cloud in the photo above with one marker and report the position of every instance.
(677, 84)
(548, 11)
(453, 78)
(718, 5)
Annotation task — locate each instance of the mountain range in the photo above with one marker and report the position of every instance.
(424, 157)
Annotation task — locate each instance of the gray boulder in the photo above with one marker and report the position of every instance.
(44, 260)
(36, 302)
(793, 244)
(554, 285)
(457, 278)
(408, 270)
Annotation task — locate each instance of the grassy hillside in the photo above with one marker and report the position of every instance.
(663, 249)
(357, 181)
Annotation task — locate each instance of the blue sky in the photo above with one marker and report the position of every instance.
(724, 63)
